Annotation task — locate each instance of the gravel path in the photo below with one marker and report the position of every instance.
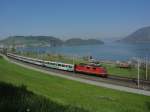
(101, 84)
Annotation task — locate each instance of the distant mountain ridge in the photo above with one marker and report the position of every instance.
(78, 41)
(45, 41)
(141, 35)
(32, 41)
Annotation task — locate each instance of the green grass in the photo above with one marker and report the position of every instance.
(19, 99)
(92, 98)
(114, 70)
(124, 72)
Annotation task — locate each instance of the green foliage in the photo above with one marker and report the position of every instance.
(13, 49)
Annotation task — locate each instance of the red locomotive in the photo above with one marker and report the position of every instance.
(91, 69)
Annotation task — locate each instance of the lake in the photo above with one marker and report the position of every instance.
(108, 51)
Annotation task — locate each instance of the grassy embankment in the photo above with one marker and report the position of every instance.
(19, 99)
(111, 68)
(62, 91)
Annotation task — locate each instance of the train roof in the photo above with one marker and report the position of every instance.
(90, 64)
(59, 63)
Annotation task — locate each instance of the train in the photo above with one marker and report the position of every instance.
(77, 68)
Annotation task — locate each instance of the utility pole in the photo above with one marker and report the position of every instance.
(138, 77)
(73, 63)
(73, 59)
(146, 67)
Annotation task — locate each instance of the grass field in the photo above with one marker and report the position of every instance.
(19, 99)
(113, 70)
(62, 91)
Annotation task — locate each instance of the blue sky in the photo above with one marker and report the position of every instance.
(73, 18)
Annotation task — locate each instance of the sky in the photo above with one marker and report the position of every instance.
(104, 19)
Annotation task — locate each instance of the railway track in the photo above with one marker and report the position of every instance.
(128, 79)
(111, 79)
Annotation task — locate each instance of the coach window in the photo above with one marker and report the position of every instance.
(70, 66)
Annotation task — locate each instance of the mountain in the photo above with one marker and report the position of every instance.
(79, 41)
(26, 41)
(142, 35)
(45, 41)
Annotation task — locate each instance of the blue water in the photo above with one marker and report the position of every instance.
(108, 51)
